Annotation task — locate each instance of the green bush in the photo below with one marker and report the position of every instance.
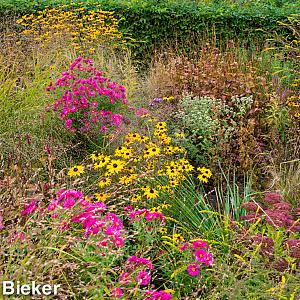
(211, 124)
(156, 23)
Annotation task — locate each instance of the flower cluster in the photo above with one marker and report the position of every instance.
(202, 256)
(127, 172)
(93, 217)
(86, 93)
(135, 215)
(74, 25)
(136, 273)
(274, 211)
(29, 208)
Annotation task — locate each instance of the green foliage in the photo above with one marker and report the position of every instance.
(210, 124)
(155, 23)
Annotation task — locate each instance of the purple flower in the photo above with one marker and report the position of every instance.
(200, 255)
(29, 208)
(117, 293)
(193, 269)
(143, 278)
(199, 244)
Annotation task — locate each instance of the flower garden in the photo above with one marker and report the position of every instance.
(134, 167)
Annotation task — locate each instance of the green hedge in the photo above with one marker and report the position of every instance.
(154, 22)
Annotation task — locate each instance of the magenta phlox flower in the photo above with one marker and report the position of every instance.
(118, 242)
(124, 278)
(199, 244)
(143, 278)
(29, 208)
(117, 293)
(193, 269)
(200, 255)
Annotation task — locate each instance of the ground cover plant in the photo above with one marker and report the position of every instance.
(136, 169)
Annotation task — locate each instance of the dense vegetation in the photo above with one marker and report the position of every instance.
(150, 149)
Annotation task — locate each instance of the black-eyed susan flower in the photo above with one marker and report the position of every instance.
(151, 151)
(115, 166)
(104, 182)
(136, 197)
(101, 162)
(177, 238)
(173, 183)
(151, 193)
(76, 171)
(163, 230)
(202, 178)
(204, 175)
(102, 196)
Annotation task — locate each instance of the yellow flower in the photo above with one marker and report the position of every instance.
(102, 162)
(170, 150)
(173, 182)
(151, 193)
(163, 230)
(156, 209)
(115, 166)
(168, 99)
(96, 156)
(165, 206)
(104, 182)
(143, 139)
(151, 151)
(202, 178)
(102, 196)
(136, 198)
(177, 238)
(206, 172)
(76, 171)
(125, 152)
(131, 137)
(179, 135)
(127, 179)
(161, 125)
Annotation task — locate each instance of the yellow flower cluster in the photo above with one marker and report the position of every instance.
(76, 26)
(204, 175)
(142, 168)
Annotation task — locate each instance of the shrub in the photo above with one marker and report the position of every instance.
(214, 129)
(82, 102)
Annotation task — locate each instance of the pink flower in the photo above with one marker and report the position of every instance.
(116, 119)
(183, 246)
(124, 278)
(117, 293)
(200, 255)
(52, 205)
(209, 259)
(29, 208)
(199, 244)
(193, 269)
(70, 202)
(118, 242)
(143, 278)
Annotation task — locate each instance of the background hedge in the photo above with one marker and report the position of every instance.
(156, 22)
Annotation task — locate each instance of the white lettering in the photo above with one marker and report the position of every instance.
(8, 287)
(25, 289)
(35, 289)
(46, 289)
(55, 288)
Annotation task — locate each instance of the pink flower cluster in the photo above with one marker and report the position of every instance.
(29, 208)
(137, 273)
(83, 98)
(274, 211)
(203, 258)
(92, 217)
(135, 215)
